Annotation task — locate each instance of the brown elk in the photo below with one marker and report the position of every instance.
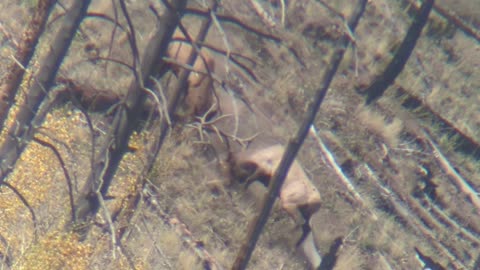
(200, 83)
(298, 196)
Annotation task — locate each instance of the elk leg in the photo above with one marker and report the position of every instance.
(305, 231)
(307, 211)
(310, 251)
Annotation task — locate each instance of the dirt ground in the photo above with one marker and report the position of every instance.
(412, 156)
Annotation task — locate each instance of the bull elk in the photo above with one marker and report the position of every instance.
(298, 196)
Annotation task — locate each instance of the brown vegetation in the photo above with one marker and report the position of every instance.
(380, 186)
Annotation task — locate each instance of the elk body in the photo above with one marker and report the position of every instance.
(297, 195)
(200, 83)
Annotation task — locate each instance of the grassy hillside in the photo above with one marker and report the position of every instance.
(412, 156)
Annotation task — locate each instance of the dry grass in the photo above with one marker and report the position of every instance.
(376, 124)
(350, 258)
(56, 251)
(188, 184)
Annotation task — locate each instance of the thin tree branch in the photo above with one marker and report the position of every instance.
(25, 202)
(454, 176)
(127, 115)
(182, 81)
(115, 14)
(6, 257)
(294, 145)
(454, 18)
(248, 28)
(218, 50)
(107, 18)
(338, 171)
(64, 169)
(224, 38)
(108, 217)
(233, 20)
(133, 44)
(116, 61)
(458, 21)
